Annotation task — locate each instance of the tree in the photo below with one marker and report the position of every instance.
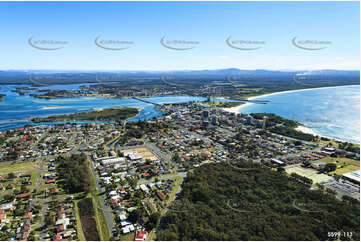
(329, 167)
(281, 169)
(11, 175)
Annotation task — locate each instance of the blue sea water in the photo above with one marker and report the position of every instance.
(17, 110)
(331, 112)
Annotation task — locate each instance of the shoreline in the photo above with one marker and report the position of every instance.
(306, 130)
(239, 107)
(302, 128)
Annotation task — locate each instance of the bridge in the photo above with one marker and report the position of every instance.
(146, 101)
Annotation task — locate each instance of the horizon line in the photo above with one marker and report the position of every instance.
(144, 70)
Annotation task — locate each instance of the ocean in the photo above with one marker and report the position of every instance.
(330, 112)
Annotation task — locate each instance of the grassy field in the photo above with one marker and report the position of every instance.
(177, 183)
(18, 167)
(127, 237)
(344, 165)
(34, 177)
(79, 228)
(309, 173)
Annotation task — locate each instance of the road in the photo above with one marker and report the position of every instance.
(44, 210)
(107, 214)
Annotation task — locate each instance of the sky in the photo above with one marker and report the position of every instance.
(261, 35)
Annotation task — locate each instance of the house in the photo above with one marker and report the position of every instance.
(10, 186)
(112, 193)
(24, 195)
(161, 195)
(57, 237)
(128, 228)
(63, 221)
(206, 154)
(2, 217)
(125, 222)
(141, 235)
(50, 181)
(122, 216)
(28, 215)
(7, 206)
(146, 175)
(144, 188)
(60, 228)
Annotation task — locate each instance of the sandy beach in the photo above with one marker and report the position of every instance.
(305, 130)
(234, 109)
(52, 107)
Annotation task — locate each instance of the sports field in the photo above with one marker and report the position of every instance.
(19, 167)
(144, 152)
(309, 173)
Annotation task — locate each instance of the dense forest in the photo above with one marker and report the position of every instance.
(74, 173)
(108, 114)
(256, 204)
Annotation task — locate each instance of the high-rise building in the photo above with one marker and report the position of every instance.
(205, 114)
(249, 120)
(205, 124)
(264, 123)
(214, 119)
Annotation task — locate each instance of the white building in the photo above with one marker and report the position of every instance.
(112, 161)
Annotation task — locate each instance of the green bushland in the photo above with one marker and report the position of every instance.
(87, 217)
(108, 114)
(213, 208)
(73, 173)
(226, 104)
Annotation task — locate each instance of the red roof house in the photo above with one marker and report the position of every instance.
(141, 235)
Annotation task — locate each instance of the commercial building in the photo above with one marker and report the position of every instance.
(353, 176)
(112, 161)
